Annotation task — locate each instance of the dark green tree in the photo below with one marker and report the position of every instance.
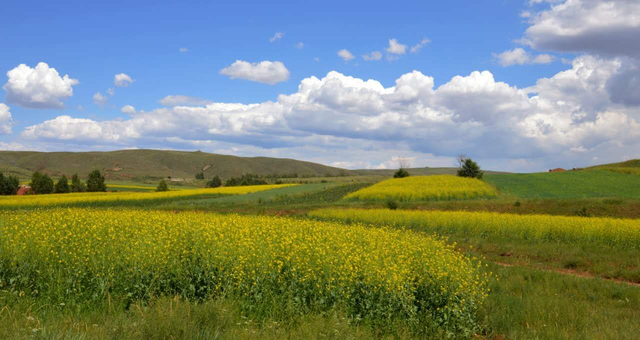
(200, 175)
(41, 183)
(162, 186)
(214, 182)
(471, 169)
(9, 185)
(246, 179)
(62, 186)
(401, 173)
(95, 182)
(77, 185)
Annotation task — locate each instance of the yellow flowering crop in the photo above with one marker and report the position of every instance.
(92, 198)
(85, 254)
(425, 188)
(624, 233)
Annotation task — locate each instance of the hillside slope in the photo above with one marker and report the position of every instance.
(146, 164)
(629, 167)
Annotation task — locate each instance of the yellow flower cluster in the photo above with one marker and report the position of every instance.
(624, 233)
(425, 188)
(374, 272)
(108, 198)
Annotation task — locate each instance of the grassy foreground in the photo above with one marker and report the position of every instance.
(524, 304)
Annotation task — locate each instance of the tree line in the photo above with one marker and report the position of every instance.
(43, 184)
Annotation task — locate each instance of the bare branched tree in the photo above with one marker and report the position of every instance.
(403, 163)
(461, 158)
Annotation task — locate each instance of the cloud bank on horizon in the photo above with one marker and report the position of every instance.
(586, 114)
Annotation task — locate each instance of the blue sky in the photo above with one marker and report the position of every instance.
(94, 42)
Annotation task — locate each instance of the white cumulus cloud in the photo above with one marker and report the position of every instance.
(338, 118)
(40, 87)
(375, 55)
(100, 99)
(180, 100)
(128, 109)
(5, 119)
(122, 80)
(604, 27)
(345, 55)
(396, 48)
(267, 72)
(518, 56)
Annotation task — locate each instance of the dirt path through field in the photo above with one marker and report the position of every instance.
(568, 272)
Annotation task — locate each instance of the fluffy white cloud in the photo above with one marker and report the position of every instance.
(111, 91)
(345, 54)
(299, 45)
(180, 100)
(276, 37)
(5, 119)
(122, 80)
(100, 99)
(13, 146)
(417, 47)
(563, 121)
(128, 109)
(396, 48)
(518, 56)
(605, 27)
(267, 72)
(375, 55)
(40, 87)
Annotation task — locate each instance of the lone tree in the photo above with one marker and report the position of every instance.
(214, 182)
(41, 184)
(162, 186)
(77, 185)
(403, 164)
(469, 168)
(95, 182)
(62, 186)
(200, 175)
(9, 185)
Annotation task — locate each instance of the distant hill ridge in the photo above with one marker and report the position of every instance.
(148, 164)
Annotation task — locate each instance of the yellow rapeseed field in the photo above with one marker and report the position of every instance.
(77, 254)
(93, 198)
(425, 188)
(623, 233)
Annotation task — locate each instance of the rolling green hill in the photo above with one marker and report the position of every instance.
(150, 164)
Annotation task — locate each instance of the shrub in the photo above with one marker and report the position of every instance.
(246, 179)
(77, 185)
(162, 186)
(214, 182)
(401, 173)
(9, 185)
(200, 175)
(393, 205)
(62, 186)
(470, 169)
(95, 182)
(41, 184)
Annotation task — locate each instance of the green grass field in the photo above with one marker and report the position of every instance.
(570, 184)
